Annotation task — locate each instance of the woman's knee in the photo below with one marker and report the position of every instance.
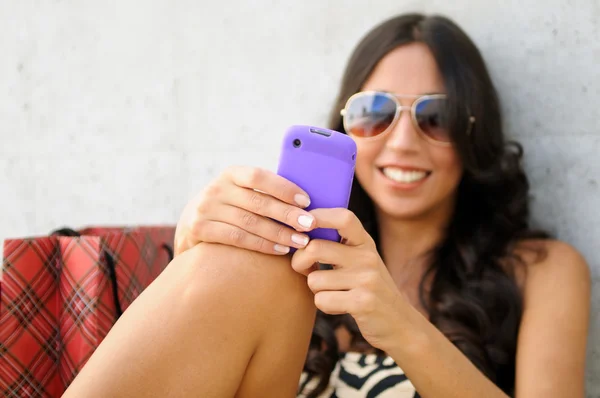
(261, 283)
(266, 307)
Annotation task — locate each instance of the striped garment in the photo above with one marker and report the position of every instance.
(365, 376)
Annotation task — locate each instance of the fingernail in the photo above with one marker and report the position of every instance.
(282, 249)
(305, 221)
(302, 200)
(300, 239)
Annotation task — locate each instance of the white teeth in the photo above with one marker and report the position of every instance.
(400, 175)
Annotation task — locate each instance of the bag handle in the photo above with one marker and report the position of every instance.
(110, 263)
(169, 250)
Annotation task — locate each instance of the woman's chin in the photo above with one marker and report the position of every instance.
(402, 209)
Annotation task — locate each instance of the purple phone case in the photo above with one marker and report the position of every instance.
(323, 165)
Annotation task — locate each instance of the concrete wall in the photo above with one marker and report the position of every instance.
(118, 111)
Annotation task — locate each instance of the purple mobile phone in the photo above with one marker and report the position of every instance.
(321, 162)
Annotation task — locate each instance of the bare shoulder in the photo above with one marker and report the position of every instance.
(553, 332)
(552, 263)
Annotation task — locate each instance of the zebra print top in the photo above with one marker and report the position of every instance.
(362, 375)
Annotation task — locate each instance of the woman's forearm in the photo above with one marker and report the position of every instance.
(435, 366)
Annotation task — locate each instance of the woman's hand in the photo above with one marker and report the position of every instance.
(359, 283)
(238, 209)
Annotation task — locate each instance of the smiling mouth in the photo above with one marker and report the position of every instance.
(404, 176)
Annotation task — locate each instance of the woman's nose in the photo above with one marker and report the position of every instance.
(404, 136)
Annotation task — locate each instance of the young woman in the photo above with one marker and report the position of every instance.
(439, 289)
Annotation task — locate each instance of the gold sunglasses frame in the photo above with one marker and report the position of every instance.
(399, 108)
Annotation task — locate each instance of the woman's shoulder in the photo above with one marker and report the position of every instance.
(551, 266)
(550, 256)
(555, 319)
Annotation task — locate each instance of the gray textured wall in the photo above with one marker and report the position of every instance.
(117, 112)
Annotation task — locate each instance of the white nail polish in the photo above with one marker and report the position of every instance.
(305, 221)
(302, 200)
(300, 239)
(282, 249)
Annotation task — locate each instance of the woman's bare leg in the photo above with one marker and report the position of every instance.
(218, 322)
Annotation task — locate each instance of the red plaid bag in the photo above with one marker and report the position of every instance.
(29, 313)
(62, 294)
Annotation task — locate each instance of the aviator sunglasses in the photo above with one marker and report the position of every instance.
(370, 114)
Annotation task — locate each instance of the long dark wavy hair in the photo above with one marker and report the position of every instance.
(473, 297)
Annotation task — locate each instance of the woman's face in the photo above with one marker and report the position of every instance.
(386, 163)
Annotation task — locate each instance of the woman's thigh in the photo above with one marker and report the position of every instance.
(219, 321)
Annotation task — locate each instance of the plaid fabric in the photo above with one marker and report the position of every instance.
(30, 306)
(58, 300)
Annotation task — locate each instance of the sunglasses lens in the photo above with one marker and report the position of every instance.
(432, 117)
(369, 114)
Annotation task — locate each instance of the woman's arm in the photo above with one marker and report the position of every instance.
(219, 321)
(552, 340)
(553, 333)
(434, 365)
